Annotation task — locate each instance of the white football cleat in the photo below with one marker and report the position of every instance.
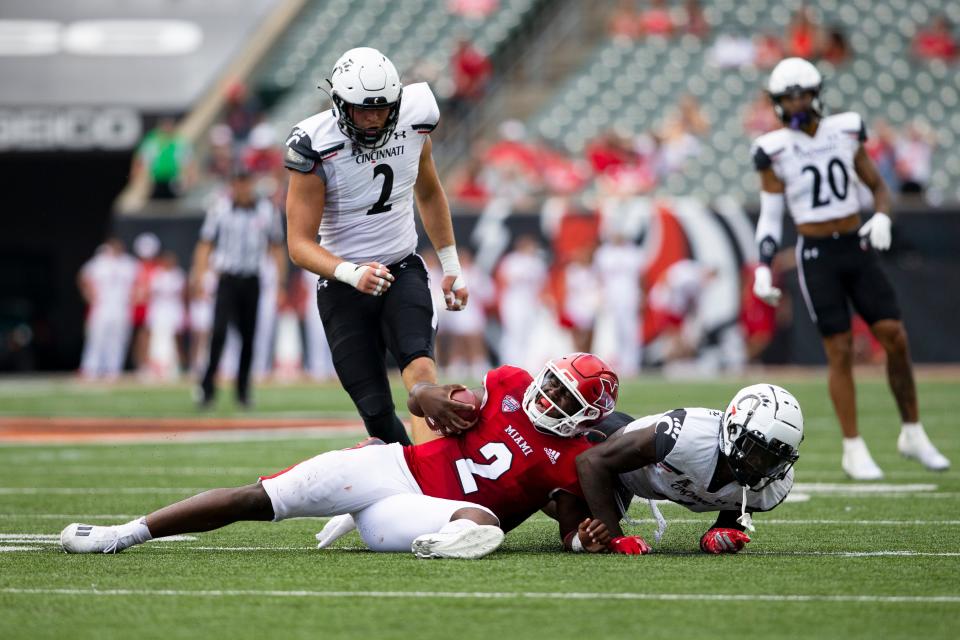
(466, 544)
(336, 528)
(857, 461)
(915, 445)
(88, 538)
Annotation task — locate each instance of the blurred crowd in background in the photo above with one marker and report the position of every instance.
(531, 291)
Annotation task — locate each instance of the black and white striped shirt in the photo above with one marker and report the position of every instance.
(240, 235)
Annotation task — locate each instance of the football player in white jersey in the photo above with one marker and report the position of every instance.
(356, 170)
(737, 462)
(811, 167)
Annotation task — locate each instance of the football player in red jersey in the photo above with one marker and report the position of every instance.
(453, 497)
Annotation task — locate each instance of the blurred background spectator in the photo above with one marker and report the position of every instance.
(106, 283)
(936, 41)
(167, 159)
(471, 74)
(836, 49)
(520, 278)
(803, 38)
(914, 151)
(165, 318)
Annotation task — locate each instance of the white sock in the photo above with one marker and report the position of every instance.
(136, 530)
(853, 444)
(455, 526)
(912, 427)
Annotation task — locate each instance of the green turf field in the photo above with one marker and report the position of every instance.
(837, 563)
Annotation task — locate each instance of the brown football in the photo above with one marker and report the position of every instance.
(467, 397)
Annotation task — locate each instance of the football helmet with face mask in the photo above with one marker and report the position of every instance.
(363, 78)
(571, 392)
(760, 433)
(795, 76)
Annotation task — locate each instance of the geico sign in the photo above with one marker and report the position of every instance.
(68, 128)
(99, 37)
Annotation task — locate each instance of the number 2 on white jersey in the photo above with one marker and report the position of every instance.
(501, 458)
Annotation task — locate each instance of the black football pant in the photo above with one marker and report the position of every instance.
(237, 299)
(362, 329)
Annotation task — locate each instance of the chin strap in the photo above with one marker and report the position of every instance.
(661, 521)
(655, 511)
(745, 520)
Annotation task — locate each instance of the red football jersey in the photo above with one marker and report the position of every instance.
(503, 462)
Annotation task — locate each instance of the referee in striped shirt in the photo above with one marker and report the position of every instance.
(239, 229)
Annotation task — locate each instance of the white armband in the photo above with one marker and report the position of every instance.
(575, 545)
(349, 273)
(770, 225)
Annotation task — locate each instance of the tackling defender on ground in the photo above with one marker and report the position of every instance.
(737, 462)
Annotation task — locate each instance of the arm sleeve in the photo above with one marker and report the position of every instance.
(769, 226)
(667, 431)
(608, 426)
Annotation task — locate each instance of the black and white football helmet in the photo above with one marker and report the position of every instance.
(760, 434)
(364, 78)
(794, 76)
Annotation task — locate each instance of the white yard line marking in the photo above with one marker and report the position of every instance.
(834, 487)
(82, 517)
(862, 554)
(901, 523)
(494, 595)
(99, 471)
(55, 537)
(72, 517)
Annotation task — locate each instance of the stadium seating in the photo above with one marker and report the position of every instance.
(417, 35)
(633, 85)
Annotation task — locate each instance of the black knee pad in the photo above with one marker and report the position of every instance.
(381, 420)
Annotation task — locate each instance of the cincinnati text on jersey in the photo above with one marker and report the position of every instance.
(812, 151)
(378, 154)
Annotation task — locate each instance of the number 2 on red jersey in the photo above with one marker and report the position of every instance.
(500, 459)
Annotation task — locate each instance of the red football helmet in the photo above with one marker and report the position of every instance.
(575, 390)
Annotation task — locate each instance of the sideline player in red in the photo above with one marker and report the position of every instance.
(453, 497)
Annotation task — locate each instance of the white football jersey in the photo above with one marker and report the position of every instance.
(683, 475)
(818, 171)
(368, 214)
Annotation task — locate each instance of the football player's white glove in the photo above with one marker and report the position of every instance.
(763, 286)
(877, 229)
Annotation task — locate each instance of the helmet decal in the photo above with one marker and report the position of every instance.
(364, 78)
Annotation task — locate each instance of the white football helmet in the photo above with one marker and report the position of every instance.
(760, 433)
(363, 78)
(792, 76)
